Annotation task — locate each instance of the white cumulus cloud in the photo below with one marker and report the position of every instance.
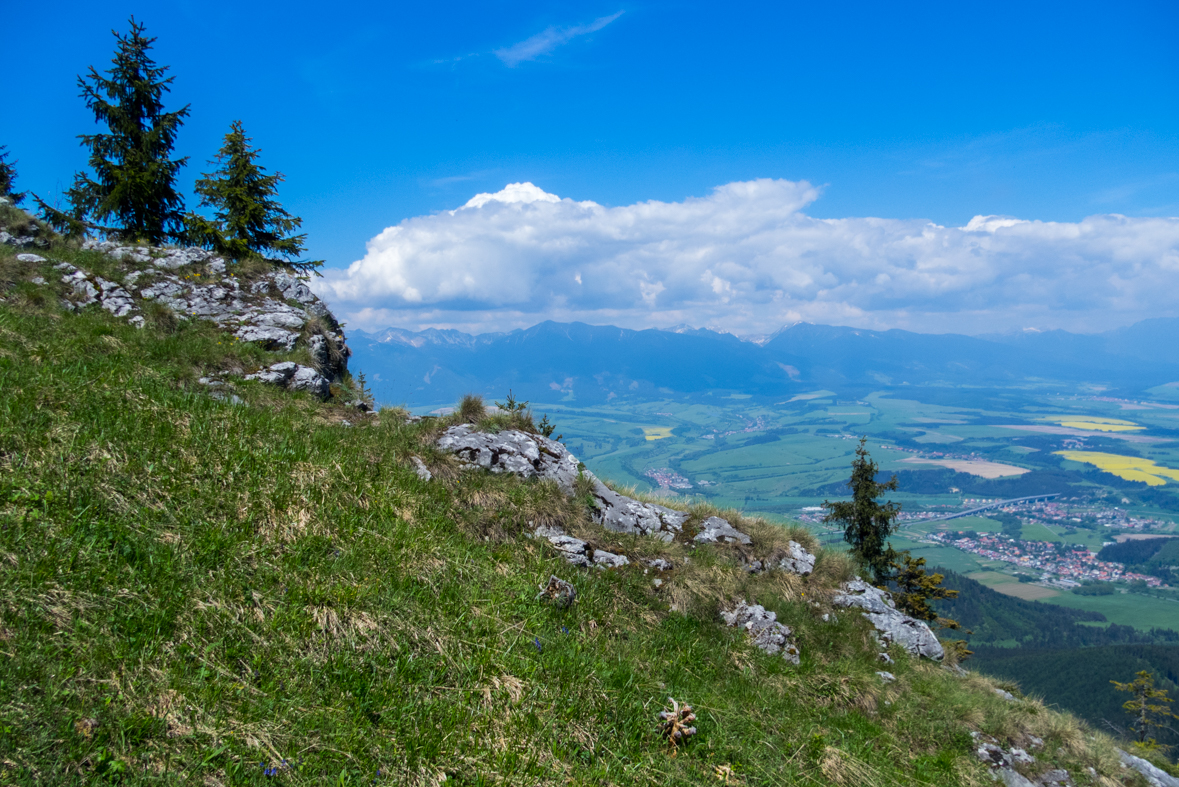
(747, 257)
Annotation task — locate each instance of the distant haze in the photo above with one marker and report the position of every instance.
(584, 363)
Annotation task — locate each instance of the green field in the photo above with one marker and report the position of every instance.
(1127, 609)
(777, 457)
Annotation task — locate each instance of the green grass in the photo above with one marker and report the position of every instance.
(947, 557)
(195, 592)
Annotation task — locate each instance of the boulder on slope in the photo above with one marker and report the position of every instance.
(892, 625)
(513, 451)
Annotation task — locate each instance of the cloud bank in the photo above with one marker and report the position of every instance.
(747, 259)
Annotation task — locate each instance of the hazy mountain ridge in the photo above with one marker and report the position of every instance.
(598, 363)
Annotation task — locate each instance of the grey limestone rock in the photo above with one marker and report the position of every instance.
(133, 253)
(798, 561)
(887, 677)
(317, 346)
(621, 514)
(603, 559)
(115, 299)
(30, 258)
(294, 377)
(1013, 778)
(893, 626)
(511, 451)
(715, 530)
(1005, 695)
(276, 374)
(1055, 778)
(658, 563)
(575, 550)
(1155, 776)
(20, 242)
(272, 338)
(763, 628)
(420, 468)
(85, 293)
(993, 755)
(1001, 765)
(310, 380)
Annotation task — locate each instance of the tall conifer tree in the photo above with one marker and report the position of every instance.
(133, 190)
(867, 524)
(7, 176)
(248, 219)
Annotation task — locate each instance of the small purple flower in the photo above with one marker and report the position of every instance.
(536, 642)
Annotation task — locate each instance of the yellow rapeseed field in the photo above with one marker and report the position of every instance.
(1131, 468)
(657, 432)
(1095, 423)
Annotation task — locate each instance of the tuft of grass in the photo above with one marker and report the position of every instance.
(471, 409)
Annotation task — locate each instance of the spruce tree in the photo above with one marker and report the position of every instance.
(915, 588)
(1147, 708)
(133, 191)
(867, 524)
(248, 219)
(7, 176)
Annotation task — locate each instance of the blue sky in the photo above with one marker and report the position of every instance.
(384, 113)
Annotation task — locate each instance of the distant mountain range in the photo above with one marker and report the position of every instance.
(589, 363)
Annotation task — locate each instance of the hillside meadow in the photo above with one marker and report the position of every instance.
(262, 590)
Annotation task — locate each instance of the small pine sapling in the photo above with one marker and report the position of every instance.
(248, 220)
(546, 428)
(510, 405)
(133, 190)
(1147, 707)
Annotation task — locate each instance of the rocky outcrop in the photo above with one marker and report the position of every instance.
(715, 530)
(1002, 763)
(534, 456)
(892, 625)
(796, 560)
(294, 377)
(526, 455)
(276, 310)
(579, 552)
(1155, 776)
(621, 514)
(763, 628)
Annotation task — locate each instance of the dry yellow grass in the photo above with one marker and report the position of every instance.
(976, 467)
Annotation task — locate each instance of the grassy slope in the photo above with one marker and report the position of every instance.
(193, 591)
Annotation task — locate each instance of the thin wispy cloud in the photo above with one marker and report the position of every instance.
(452, 179)
(549, 39)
